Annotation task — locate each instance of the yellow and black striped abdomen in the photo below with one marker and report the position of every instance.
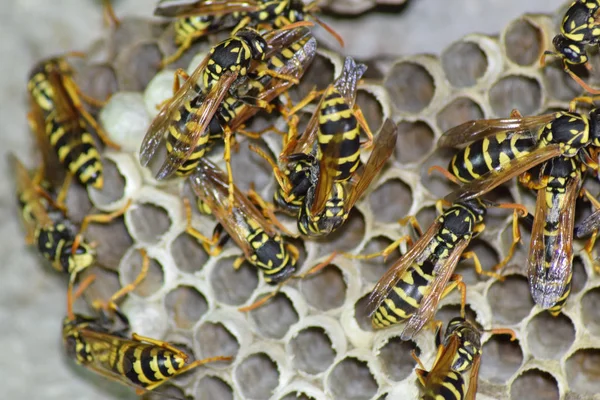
(337, 119)
(145, 364)
(487, 154)
(452, 387)
(188, 28)
(558, 306)
(41, 91)
(404, 299)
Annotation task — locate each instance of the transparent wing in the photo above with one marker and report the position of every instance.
(550, 264)
(505, 172)
(473, 378)
(588, 225)
(183, 8)
(347, 82)
(477, 129)
(443, 270)
(26, 188)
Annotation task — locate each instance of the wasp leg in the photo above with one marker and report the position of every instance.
(582, 99)
(503, 331)
(110, 18)
(516, 234)
(280, 176)
(71, 297)
(277, 75)
(313, 94)
(447, 174)
(97, 218)
(365, 126)
(478, 268)
(580, 81)
(227, 157)
(211, 246)
(267, 210)
(384, 253)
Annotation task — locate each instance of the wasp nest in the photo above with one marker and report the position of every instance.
(313, 339)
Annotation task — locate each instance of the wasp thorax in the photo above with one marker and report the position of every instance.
(258, 45)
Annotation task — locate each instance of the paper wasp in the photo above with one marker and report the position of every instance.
(138, 362)
(580, 27)
(411, 288)
(199, 18)
(500, 149)
(260, 242)
(57, 116)
(459, 351)
(47, 226)
(186, 118)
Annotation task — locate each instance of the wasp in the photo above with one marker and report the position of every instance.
(459, 351)
(579, 28)
(260, 242)
(196, 19)
(499, 149)
(413, 286)
(47, 226)
(58, 116)
(139, 362)
(186, 117)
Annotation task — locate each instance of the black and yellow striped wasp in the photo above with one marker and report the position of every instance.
(459, 351)
(139, 362)
(497, 150)
(411, 288)
(48, 228)
(196, 19)
(580, 27)
(262, 245)
(186, 117)
(58, 116)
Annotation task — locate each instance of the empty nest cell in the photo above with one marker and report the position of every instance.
(351, 379)
(114, 185)
(147, 222)
(130, 269)
(395, 357)
(523, 42)
(590, 312)
(511, 298)
(550, 337)
(273, 319)
(373, 269)
(371, 109)
(361, 314)
(185, 306)
(233, 286)
(312, 351)
(188, 254)
(347, 238)
(257, 376)
(325, 290)
(515, 92)
(464, 62)
(391, 201)
(501, 359)
(535, 384)
(411, 86)
(582, 371)
(459, 110)
(415, 141)
(214, 339)
(213, 387)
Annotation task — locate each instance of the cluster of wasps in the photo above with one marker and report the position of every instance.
(320, 178)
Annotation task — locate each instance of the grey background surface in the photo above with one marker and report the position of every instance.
(31, 297)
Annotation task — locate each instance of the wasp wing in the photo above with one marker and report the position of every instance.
(443, 361)
(550, 263)
(473, 378)
(590, 224)
(184, 8)
(347, 82)
(503, 173)
(477, 129)
(443, 270)
(28, 193)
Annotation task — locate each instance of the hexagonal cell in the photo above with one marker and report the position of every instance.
(582, 371)
(213, 387)
(459, 110)
(373, 269)
(426, 216)
(112, 240)
(396, 358)
(232, 286)
(361, 314)
(559, 84)
(137, 66)
(351, 379)
(590, 312)
(188, 254)
(464, 63)
(150, 222)
(550, 337)
(114, 185)
(98, 81)
(579, 276)
(501, 359)
(515, 92)
(130, 268)
(105, 284)
(214, 339)
(411, 86)
(347, 237)
(185, 306)
(487, 257)
(391, 211)
(415, 141)
(250, 168)
(258, 376)
(312, 351)
(273, 319)
(326, 289)
(535, 385)
(511, 299)
(371, 109)
(523, 42)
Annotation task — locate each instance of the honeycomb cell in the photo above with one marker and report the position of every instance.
(137, 66)
(273, 319)
(487, 256)
(501, 359)
(426, 216)
(411, 86)
(325, 290)
(105, 285)
(583, 372)
(148, 222)
(312, 350)
(213, 387)
(130, 268)
(435, 182)
(361, 314)
(371, 109)
(396, 358)
(214, 339)
(189, 256)
(249, 168)
(550, 337)
(523, 42)
(590, 312)
(464, 63)
(391, 211)
(579, 276)
(347, 237)
(511, 299)
(560, 85)
(515, 92)
(535, 385)
(351, 379)
(112, 241)
(301, 390)
(185, 306)
(415, 141)
(114, 186)
(98, 81)
(232, 286)
(257, 376)
(459, 110)
(373, 269)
